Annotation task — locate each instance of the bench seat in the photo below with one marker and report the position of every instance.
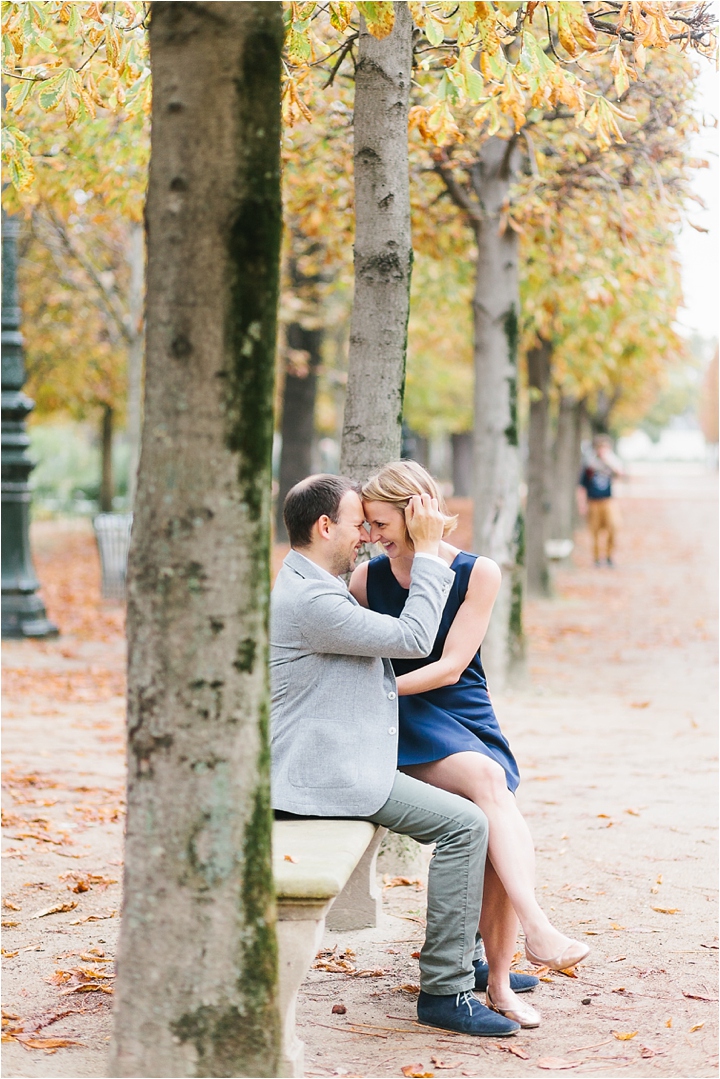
(324, 874)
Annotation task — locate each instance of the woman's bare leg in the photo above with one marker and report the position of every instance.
(511, 851)
(498, 928)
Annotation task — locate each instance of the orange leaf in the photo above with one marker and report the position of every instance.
(416, 1071)
(624, 1037)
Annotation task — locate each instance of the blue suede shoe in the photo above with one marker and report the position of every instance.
(519, 983)
(464, 1014)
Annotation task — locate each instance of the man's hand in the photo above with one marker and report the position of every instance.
(425, 523)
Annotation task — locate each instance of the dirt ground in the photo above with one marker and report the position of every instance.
(615, 734)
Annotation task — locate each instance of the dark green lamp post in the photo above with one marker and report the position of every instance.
(23, 612)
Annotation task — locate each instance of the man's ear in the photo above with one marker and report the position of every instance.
(323, 526)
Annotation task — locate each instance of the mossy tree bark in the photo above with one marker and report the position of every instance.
(383, 250)
(497, 513)
(303, 355)
(196, 983)
(107, 485)
(136, 352)
(538, 479)
(565, 467)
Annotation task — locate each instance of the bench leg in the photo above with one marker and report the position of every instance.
(299, 932)
(359, 903)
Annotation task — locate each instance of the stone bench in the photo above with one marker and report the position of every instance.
(324, 875)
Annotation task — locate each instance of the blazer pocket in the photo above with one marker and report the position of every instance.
(324, 757)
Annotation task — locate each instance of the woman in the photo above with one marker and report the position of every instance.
(449, 735)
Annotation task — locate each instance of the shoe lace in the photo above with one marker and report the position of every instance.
(465, 998)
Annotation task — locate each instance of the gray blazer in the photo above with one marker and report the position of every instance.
(334, 703)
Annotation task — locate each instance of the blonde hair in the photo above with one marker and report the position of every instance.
(398, 481)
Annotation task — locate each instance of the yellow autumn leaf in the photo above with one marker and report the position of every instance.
(379, 16)
(624, 1036)
(697, 1026)
(575, 31)
(667, 910)
(619, 70)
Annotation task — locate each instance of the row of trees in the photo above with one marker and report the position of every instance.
(520, 171)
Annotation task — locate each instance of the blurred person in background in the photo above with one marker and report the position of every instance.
(595, 498)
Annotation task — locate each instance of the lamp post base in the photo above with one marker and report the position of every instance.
(23, 615)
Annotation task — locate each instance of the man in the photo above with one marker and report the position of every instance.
(334, 726)
(595, 495)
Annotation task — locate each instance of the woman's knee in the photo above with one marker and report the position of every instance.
(488, 779)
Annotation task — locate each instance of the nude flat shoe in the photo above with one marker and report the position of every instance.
(522, 1013)
(575, 952)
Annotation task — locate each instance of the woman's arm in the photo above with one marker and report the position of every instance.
(358, 584)
(466, 633)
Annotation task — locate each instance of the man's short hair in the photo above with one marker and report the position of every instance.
(311, 499)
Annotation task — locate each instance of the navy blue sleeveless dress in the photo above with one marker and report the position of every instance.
(450, 719)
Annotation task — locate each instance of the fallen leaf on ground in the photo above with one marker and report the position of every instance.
(290, 858)
(375, 972)
(416, 1071)
(515, 1050)
(30, 1042)
(334, 966)
(57, 908)
(402, 882)
(557, 1063)
(339, 1009)
(94, 917)
(667, 910)
(639, 704)
(646, 1053)
(414, 955)
(697, 1026)
(633, 812)
(668, 1022)
(624, 1036)
(406, 987)
(452, 1065)
(10, 906)
(699, 996)
(8, 925)
(83, 882)
(9, 955)
(88, 987)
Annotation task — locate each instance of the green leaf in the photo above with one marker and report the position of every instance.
(17, 94)
(51, 92)
(434, 31)
(299, 49)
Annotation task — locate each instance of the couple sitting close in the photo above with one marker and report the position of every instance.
(411, 744)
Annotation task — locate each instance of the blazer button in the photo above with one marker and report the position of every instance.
(391, 696)
(392, 730)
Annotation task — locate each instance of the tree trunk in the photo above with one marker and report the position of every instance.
(565, 468)
(497, 520)
(383, 250)
(298, 417)
(462, 464)
(136, 350)
(107, 486)
(538, 501)
(196, 983)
